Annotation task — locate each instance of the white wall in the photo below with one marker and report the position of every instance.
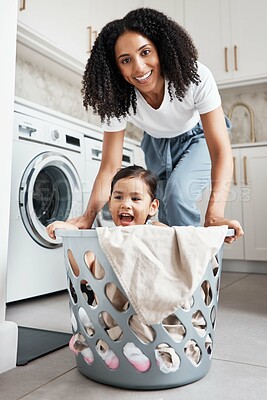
(8, 23)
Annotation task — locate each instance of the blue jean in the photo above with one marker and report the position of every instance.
(183, 167)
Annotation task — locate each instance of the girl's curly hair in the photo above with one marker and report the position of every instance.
(105, 89)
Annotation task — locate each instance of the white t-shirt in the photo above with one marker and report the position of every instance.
(174, 117)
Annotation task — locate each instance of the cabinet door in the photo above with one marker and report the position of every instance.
(254, 196)
(208, 23)
(123, 7)
(59, 22)
(65, 23)
(233, 210)
(249, 32)
(230, 37)
(173, 8)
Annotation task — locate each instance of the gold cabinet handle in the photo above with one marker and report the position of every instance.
(234, 171)
(22, 5)
(95, 33)
(245, 170)
(92, 35)
(89, 28)
(226, 59)
(235, 58)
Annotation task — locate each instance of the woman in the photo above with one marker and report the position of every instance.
(144, 69)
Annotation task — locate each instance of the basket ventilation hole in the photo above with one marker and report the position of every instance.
(86, 322)
(143, 331)
(199, 322)
(73, 320)
(94, 265)
(167, 359)
(88, 294)
(209, 345)
(206, 292)
(215, 266)
(107, 355)
(218, 286)
(110, 325)
(78, 345)
(73, 264)
(136, 357)
(193, 352)
(174, 327)
(72, 292)
(116, 297)
(213, 316)
(188, 304)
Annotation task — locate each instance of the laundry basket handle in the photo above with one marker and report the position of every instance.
(230, 232)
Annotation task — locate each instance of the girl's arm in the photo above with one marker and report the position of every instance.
(112, 150)
(221, 172)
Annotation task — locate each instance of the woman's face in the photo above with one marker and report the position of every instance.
(138, 61)
(130, 202)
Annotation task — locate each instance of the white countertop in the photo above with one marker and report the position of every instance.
(250, 144)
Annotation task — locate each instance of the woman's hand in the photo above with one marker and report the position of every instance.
(59, 225)
(232, 224)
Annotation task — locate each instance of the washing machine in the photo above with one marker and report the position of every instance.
(48, 174)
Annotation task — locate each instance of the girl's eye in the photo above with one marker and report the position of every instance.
(136, 198)
(118, 197)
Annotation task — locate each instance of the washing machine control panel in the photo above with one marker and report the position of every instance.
(55, 134)
(36, 130)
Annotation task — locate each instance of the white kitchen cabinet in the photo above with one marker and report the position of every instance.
(64, 23)
(230, 38)
(173, 8)
(247, 203)
(234, 209)
(60, 23)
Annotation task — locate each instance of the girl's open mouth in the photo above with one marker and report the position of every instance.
(125, 217)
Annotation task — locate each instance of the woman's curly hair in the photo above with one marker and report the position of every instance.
(105, 89)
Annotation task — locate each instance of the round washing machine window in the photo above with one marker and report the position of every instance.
(50, 190)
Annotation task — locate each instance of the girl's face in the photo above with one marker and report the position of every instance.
(130, 203)
(138, 62)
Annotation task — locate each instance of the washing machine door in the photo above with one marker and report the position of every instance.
(50, 190)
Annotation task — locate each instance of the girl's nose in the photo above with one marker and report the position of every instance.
(125, 205)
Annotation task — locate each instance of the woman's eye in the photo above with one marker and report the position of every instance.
(126, 61)
(146, 52)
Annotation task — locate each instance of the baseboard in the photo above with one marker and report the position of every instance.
(248, 267)
(8, 345)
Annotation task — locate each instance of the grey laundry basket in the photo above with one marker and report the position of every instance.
(126, 376)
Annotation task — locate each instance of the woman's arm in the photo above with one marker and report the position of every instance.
(112, 150)
(221, 171)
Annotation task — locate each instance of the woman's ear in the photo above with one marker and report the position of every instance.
(154, 206)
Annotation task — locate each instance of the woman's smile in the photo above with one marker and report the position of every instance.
(144, 78)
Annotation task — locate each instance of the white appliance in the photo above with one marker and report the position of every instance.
(48, 173)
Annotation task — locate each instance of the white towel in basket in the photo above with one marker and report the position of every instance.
(159, 267)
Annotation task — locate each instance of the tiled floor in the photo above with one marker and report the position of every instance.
(238, 371)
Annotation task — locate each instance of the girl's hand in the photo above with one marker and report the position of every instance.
(232, 224)
(50, 229)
